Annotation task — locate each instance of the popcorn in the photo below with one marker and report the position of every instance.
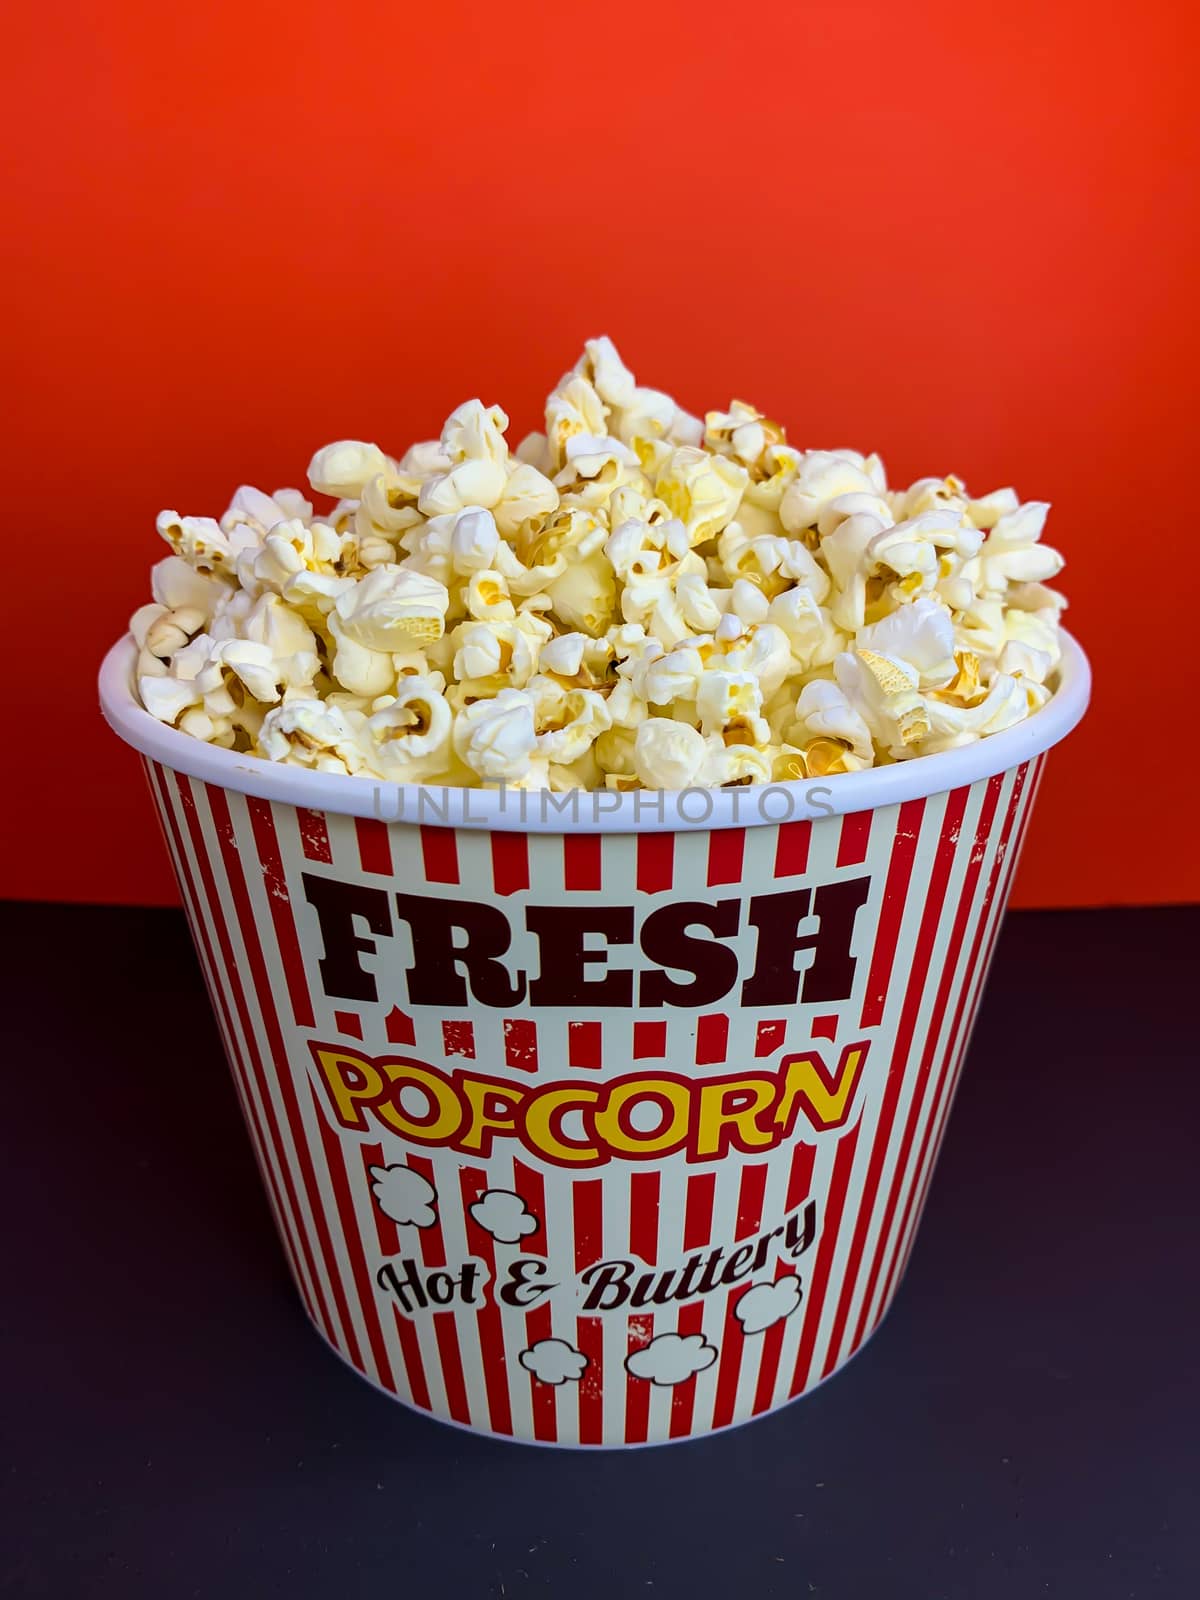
(731, 700)
(883, 690)
(1011, 553)
(527, 493)
(292, 643)
(392, 608)
(574, 409)
(343, 469)
(609, 376)
(305, 564)
(490, 656)
(667, 754)
(743, 433)
(821, 477)
(496, 738)
(310, 733)
(174, 583)
(260, 512)
(357, 667)
(203, 544)
(563, 656)
(832, 736)
(702, 490)
(922, 634)
(813, 638)
(568, 721)
(633, 598)
(728, 766)
(407, 740)
(487, 598)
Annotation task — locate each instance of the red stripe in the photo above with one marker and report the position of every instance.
(712, 1039)
(854, 838)
(643, 1215)
(725, 849)
(510, 862)
(655, 862)
(824, 1028)
(955, 1056)
(697, 1230)
(389, 1245)
(799, 1183)
(587, 1198)
(649, 1040)
(386, 1230)
(218, 804)
(530, 1185)
(791, 850)
(262, 822)
(898, 1065)
(643, 1241)
(891, 913)
(233, 972)
(473, 1182)
(769, 1036)
(398, 1026)
(439, 851)
(585, 1043)
(374, 850)
(445, 1328)
(814, 1298)
(952, 970)
(314, 836)
(240, 1070)
(956, 805)
(280, 905)
(336, 1159)
(458, 1039)
(520, 1044)
(750, 1202)
(348, 1022)
(581, 861)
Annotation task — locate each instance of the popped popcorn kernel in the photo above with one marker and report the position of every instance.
(632, 598)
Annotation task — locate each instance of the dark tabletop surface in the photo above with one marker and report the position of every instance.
(1024, 1424)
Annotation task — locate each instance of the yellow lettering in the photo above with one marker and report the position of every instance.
(349, 1080)
(824, 1096)
(492, 1108)
(615, 1129)
(542, 1114)
(729, 1108)
(444, 1117)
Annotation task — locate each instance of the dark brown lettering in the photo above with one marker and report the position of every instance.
(775, 980)
(434, 978)
(337, 904)
(562, 979)
(665, 941)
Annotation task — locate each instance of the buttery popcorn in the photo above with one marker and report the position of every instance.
(632, 598)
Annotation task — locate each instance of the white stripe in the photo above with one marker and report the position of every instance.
(959, 1046)
(243, 1049)
(254, 1008)
(238, 1070)
(909, 1068)
(887, 823)
(960, 866)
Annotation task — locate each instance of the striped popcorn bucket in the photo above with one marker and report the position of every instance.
(605, 1122)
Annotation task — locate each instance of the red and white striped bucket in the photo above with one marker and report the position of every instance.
(609, 1136)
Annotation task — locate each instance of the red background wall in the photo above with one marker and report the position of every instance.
(961, 235)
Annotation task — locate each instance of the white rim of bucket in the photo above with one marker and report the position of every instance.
(598, 811)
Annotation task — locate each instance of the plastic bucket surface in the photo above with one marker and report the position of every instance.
(607, 1136)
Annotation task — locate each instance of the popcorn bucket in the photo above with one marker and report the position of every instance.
(604, 1122)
